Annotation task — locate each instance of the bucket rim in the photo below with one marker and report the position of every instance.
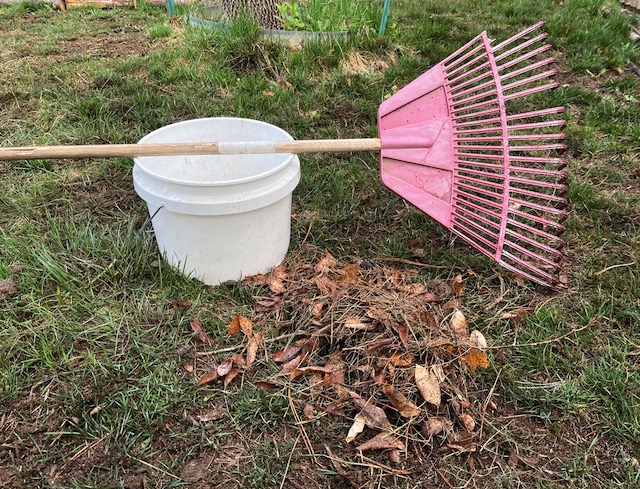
(288, 157)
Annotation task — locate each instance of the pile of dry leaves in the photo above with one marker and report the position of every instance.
(368, 342)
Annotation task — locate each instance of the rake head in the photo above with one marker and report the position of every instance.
(460, 144)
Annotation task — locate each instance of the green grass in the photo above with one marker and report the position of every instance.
(93, 352)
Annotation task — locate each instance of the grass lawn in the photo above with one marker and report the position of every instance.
(99, 363)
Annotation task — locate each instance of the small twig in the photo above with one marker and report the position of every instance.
(486, 402)
(286, 470)
(616, 266)
(151, 466)
(410, 262)
(444, 479)
(303, 432)
(270, 340)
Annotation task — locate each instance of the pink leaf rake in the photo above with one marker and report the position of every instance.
(492, 177)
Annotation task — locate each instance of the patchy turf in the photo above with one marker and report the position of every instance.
(100, 364)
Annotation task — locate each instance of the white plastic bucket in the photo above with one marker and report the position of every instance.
(222, 217)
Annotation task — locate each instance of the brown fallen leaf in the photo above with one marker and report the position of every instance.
(290, 351)
(276, 285)
(224, 368)
(461, 441)
(267, 305)
(435, 426)
(241, 323)
(518, 313)
(394, 456)
(458, 325)
(359, 324)
(252, 348)
(210, 415)
(467, 421)
(316, 309)
(8, 288)
(199, 331)
(232, 374)
(356, 428)
(180, 305)
(256, 280)
(382, 441)
(326, 263)
(279, 272)
(374, 416)
(398, 400)
(266, 386)
(293, 364)
(429, 297)
(456, 285)
(238, 361)
(309, 412)
(404, 359)
(349, 276)
(475, 358)
(403, 333)
(188, 367)
(477, 339)
(208, 378)
(428, 385)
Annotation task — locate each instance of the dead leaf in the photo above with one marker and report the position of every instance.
(266, 386)
(180, 305)
(461, 441)
(316, 309)
(374, 416)
(403, 405)
(475, 358)
(349, 275)
(382, 441)
(276, 285)
(238, 361)
(326, 286)
(394, 456)
(210, 415)
(279, 272)
(224, 368)
(356, 428)
(428, 385)
(435, 426)
(198, 329)
(208, 378)
(476, 338)
(241, 323)
(95, 410)
(267, 304)
(467, 422)
(256, 280)
(188, 367)
(268, 93)
(326, 263)
(416, 289)
(517, 313)
(290, 351)
(403, 333)
(336, 375)
(458, 325)
(359, 324)
(309, 412)
(293, 364)
(232, 374)
(252, 348)
(456, 285)
(401, 359)
(8, 288)
(429, 297)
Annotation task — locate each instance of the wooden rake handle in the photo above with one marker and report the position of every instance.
(175, 149)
